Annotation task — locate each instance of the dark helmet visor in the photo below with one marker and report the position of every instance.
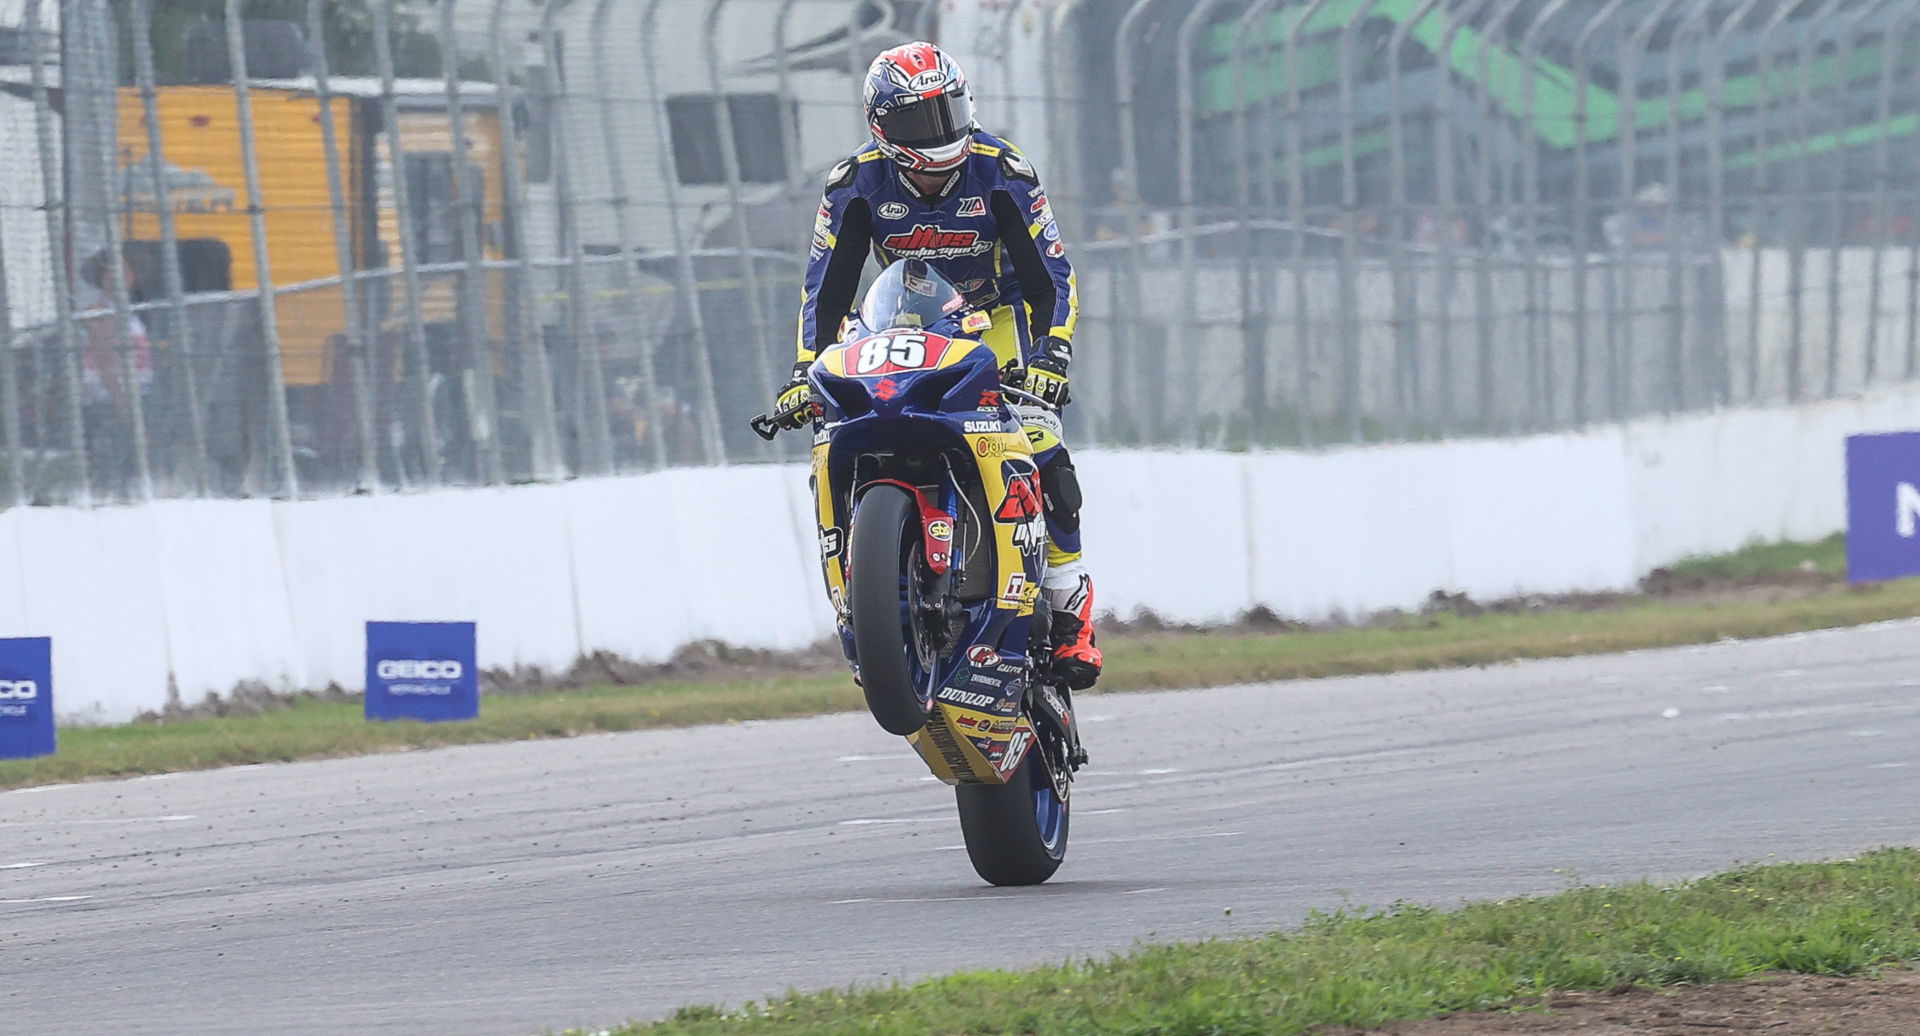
(930, 123)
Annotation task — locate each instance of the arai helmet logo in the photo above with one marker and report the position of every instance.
(892, 210)
(931, 79)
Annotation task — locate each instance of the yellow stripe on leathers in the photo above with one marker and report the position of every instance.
(834, 567)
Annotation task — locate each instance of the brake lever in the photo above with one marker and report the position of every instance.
(1027, 397)
(764, 427)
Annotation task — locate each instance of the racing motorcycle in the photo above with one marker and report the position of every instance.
(933, 544)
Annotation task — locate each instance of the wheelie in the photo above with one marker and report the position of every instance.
(933, 543)
(949, 507)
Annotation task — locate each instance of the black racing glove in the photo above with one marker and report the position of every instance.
(794, 406)
(1046, 374)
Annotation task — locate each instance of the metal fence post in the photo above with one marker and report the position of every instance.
(1352, 351)
(1539, 290)
(1869, 362)
(1253, 318)
(1716, 181)
(789, 107)
(1843, 63)
(595, 440)
(1763, 210)
(1882, 174)
(1184, 114)
(10, 391)
(355, 326)
(521, 306)
(1912, 365)
(1129, 315)
(56, 204)
(263, 268)
(736, 200)
(482, 405)
(1406, 288)
(629, 269)
(1494, 32)
(1051, 121)
(430, 458)
(1297, 217)
(184, 339)
(123, 321)
(683, 257)
(1070, 170)
(1446, 203)
(96, 99)
(1803, 190)
(1627, 128)
(1676, 394)
(1007, 97)
(1582, 239)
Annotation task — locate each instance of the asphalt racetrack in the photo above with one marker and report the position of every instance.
(516, 888)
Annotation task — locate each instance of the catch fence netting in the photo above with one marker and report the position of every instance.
(301, 247)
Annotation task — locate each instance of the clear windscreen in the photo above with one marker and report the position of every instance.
(909, 294)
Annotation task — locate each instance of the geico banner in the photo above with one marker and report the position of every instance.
(26, 697)
(1883, 506)
(422, 670)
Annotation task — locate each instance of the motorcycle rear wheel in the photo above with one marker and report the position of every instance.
(886, 636)
(1016, 833)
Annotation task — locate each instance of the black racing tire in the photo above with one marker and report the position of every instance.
(881, 548)
(1001, 826)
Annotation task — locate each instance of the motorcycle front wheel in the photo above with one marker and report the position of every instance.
(883, 597)
(1016, 833)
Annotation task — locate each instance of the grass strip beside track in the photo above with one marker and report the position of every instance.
(1135, 661)
(1760, 560)
(1368, 968)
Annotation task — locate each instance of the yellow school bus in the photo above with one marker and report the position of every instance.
(206, 181)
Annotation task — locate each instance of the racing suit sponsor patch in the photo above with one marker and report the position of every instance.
(929, 242)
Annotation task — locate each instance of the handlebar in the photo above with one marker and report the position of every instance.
(766, 428)
(1027, 397)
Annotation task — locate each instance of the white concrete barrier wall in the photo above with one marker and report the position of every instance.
(199, 595)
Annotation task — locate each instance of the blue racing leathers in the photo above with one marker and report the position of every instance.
(989, 231)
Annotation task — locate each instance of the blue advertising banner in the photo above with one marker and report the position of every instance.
(1883, 506)
(26, 697)
(422, 670)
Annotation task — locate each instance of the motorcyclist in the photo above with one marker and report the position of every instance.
(932, 185)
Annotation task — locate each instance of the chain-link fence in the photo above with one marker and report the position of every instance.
(293, 247)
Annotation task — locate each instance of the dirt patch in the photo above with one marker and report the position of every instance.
(1661, 586)
(714, 662)
(1775, 1004)
(703, 662)
(707, 661)
(248, 698)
